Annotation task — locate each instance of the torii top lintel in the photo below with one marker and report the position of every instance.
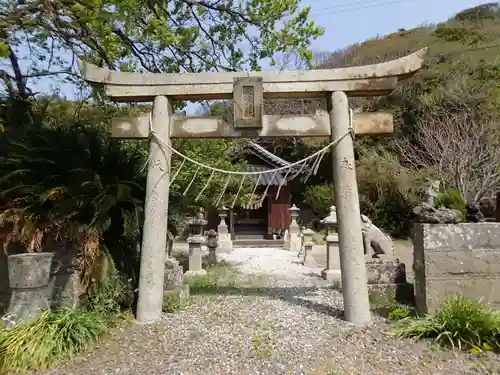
(368, 80)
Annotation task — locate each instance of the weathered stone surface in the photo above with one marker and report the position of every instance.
(456, 258)
(457, 263)
(30, 270)
(385, 272)
(173, 275)
(29, 276)
(476, 287)
(367, 80)
(66, 290)
(425, 213)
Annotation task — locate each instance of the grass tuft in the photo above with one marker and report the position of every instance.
(461, 324)
(55, 336)
(219, 277)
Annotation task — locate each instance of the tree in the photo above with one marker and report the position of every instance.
(461, 148)
(153, 36)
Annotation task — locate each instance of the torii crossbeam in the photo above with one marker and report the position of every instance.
(248, 90)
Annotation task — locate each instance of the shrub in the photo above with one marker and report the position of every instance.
(460, 323)
(74, 185)
(55, 336)
(451, 198)
(111, 295)
(388, 191)
(319, 198)
(393, 212)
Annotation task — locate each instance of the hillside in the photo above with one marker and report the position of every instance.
(463, 59)
(446, 119)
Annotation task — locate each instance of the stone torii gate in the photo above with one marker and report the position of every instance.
(248, 90)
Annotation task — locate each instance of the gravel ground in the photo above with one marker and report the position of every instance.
(291, 327)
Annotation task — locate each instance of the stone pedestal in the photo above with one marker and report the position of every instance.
(294, 241)
(29, 276)
(388, 278)
(225, 245)
(385, 272)
(195, 256)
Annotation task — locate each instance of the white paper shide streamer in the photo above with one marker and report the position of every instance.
(305, 168)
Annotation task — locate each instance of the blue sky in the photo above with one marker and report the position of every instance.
(363, 19)
(348, 22)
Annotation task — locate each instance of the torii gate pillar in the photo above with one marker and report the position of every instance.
(154, 234)
(248, 90)
(352, 260)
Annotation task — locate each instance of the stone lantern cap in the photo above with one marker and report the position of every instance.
(294, 209)
(307, 233)
(331, 218)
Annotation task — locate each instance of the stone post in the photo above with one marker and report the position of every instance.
(352, 260)
(212, 244)
(307, 237)
(225, 243)
(196, 240)
(332, 245)
(154, 238)
(293, 233)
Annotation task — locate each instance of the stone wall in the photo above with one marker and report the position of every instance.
(456, 258)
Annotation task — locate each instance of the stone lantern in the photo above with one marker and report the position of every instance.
(212, 243)
(225, 243)
(331, 225)
(197, 223)
(294, 215)
(293, 233)
(196, 240)
(332, 245)
(307, 237)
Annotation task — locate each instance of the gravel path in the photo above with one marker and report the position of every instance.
(291, 327)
